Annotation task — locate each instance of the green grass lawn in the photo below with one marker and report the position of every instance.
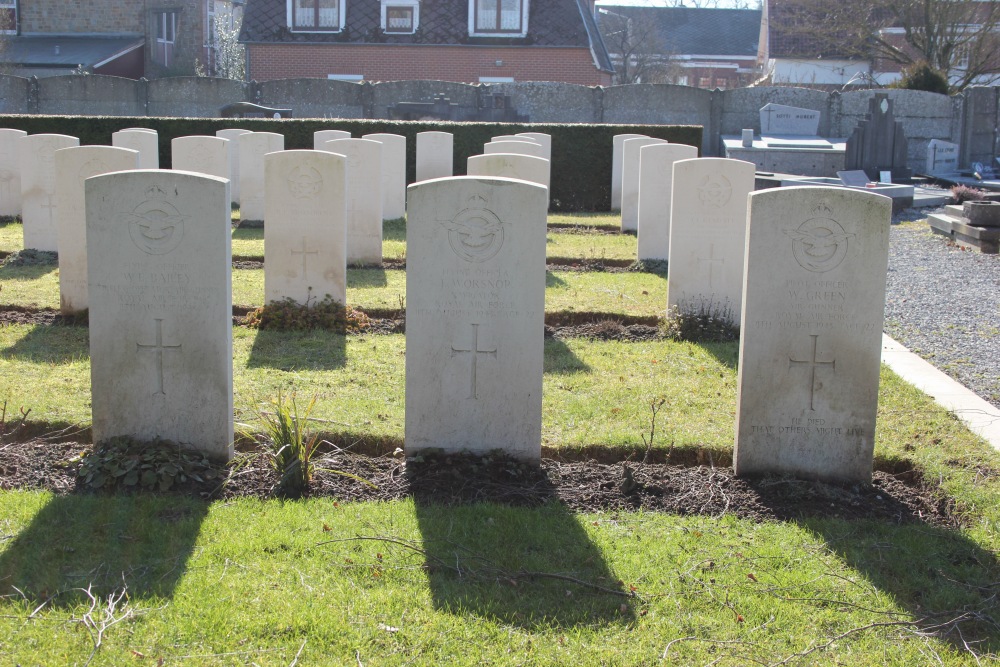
(118, 580)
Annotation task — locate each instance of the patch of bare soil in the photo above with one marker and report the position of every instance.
(583, 486)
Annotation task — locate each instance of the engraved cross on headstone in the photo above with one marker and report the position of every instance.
(475, 352)
(49, 205)
(715, 262)
(158, 348)
(304, 253)
(812, 364)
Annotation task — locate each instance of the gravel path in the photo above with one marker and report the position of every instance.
(943, 303)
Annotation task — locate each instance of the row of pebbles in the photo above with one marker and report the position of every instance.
(943, 303)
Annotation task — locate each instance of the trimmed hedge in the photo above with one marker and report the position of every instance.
(581, 154)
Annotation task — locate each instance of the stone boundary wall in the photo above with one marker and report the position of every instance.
(969, 119)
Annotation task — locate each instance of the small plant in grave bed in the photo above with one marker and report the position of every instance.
(290, 315)
(658, 266)
(124, 464)
(705, 323)
(289, 447)
(964, 193)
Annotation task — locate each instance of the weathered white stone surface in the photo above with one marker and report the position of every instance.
(518, 147)
(305, 227)
(656, 168)
(783, 119)
(542, 138)
(10, 172)
(616, 168)
(253, 147)
(36, 154)
(320, 137)
(942, 157)
(510, 165)
(474, 315)
(234, 159)
(812, 329)
(393, 174)
(708, 222)
(364, 198)
(73, 167)
(435, 155)
(514, 137)
(201, 154)
(161, 341)
(630, 180)
(143, 140)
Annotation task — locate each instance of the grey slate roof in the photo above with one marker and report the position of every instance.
(38, 51)
(564, 23)
(695, 31)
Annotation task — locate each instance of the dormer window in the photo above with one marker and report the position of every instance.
(315, 15)
(498, 17)
(400, 17)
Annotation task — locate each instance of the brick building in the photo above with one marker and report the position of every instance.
(470, 41)
(130, 38)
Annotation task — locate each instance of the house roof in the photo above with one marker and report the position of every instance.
(556, 23)
(694, 31)
(806, 29)
(66, 51)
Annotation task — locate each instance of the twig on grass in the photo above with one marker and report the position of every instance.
(492, 570)
(295, 660)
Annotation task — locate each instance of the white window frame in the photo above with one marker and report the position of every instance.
(290, 18)
(346, 77)
(413, 5)
(498, 33)
(163, 47)
(11, 6)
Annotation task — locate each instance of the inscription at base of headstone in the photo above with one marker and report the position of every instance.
(160, 290)
(474, 315)
(811, 341)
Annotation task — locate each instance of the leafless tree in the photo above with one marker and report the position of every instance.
(639, 52)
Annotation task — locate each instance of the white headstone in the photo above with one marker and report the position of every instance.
(542, 138)
(810, 346)
(10, 172)
(234, 159)
(320, 137)
(520, 147)
(435, 155)
(510, 165)
(514, 137)
(161, 328)
(708, 222)
(200, 154)
(305, 228)
(474, 315)
(782, 119)
(393, 174)
(73, 167)
(253, 147)
(630, 180)
(36, 153)
(656, 168)
(616, 168)
(364, 198)
(942, 157)
(145, 141)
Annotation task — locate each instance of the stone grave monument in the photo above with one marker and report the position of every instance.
(510, 165)
(364, 198)
(36, 155)
(435, 155)
(474, 316)
(143, 140)
(305, 227)
(541, 137)
(234, 159)
(707, 237)
(878, 142)
(73, 167)
(942, 158)
(781, 119)
(616, 168)
(160, 290)
(811, 342)
(320, 137)
(10, 172)
(656, 168)
(972, 224)
(393, 174)
(631, 181)
(202, 155)
(253, 147)
(517, 147)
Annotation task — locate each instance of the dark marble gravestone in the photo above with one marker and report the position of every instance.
(878, 143)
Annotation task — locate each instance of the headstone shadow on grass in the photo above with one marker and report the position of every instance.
(561, 360)
(300, 350)
(523, 566)
(945, 581)
(102, 542)
(50, 345)
(552, 280)
(360, 277)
